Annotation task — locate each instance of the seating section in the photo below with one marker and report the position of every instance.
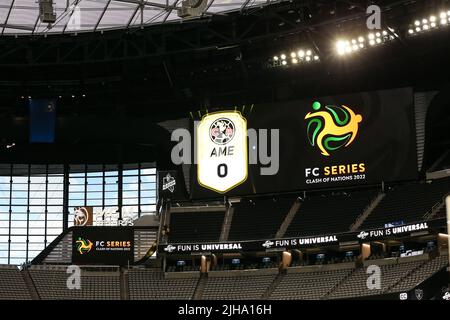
(239, 287)
(12, 284)
(152, 285)
(195, 226)
(308, 285)
(51, 284)
(338, 281)
(258, 219)
(356, 284)
(329, 214)
(407, 203)
(421, 274)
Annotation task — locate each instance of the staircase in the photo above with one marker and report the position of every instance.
(363, 216)
(266, 295)
(124, 287)
(226, 224)
(30, 284)
(328, 294)
(435, 209)
(198, 293)
(288, 219)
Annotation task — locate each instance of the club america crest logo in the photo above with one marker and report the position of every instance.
(222, 131)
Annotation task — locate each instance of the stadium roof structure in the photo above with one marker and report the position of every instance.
(21, 17)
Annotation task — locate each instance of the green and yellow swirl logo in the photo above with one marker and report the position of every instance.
(84, 246)
(332, 127)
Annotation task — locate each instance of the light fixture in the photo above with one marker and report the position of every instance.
(295, 57)
(430, 23)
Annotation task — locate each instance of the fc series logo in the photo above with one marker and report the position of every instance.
(84, 245)
(331, 128)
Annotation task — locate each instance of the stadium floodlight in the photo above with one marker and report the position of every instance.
(296, 57)
(430, 23)
(344, 46)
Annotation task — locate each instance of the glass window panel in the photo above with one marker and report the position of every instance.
(76, 188)
(55, 180)
(129, 194)
(51, 237)
(111, 180)
(19, 195)
(36, 202)
(55, 201)
(129, 201)
(148, 171)
(111, 202)
(15, 261)
(130, 172)
(94, 188)
(37, 224)
(18, 231)
(130, 179)
(148, 208)
(54, 224)
(19, 187)
(36, 231)
(148, 194)
(19, 201)
(96, 202)
(95, 180)
(17, 180)
(37, 187)
(55, 209)
(76, 195)
(17, 216)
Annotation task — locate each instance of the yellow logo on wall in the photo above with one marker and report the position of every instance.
(222, 153)
(84, 246)
(331, 128)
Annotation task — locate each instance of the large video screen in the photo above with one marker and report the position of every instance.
(321, 142)
(102, 245)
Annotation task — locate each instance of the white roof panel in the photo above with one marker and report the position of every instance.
(95, 15)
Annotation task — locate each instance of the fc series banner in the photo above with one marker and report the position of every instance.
(322, 142)
(102, 245)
